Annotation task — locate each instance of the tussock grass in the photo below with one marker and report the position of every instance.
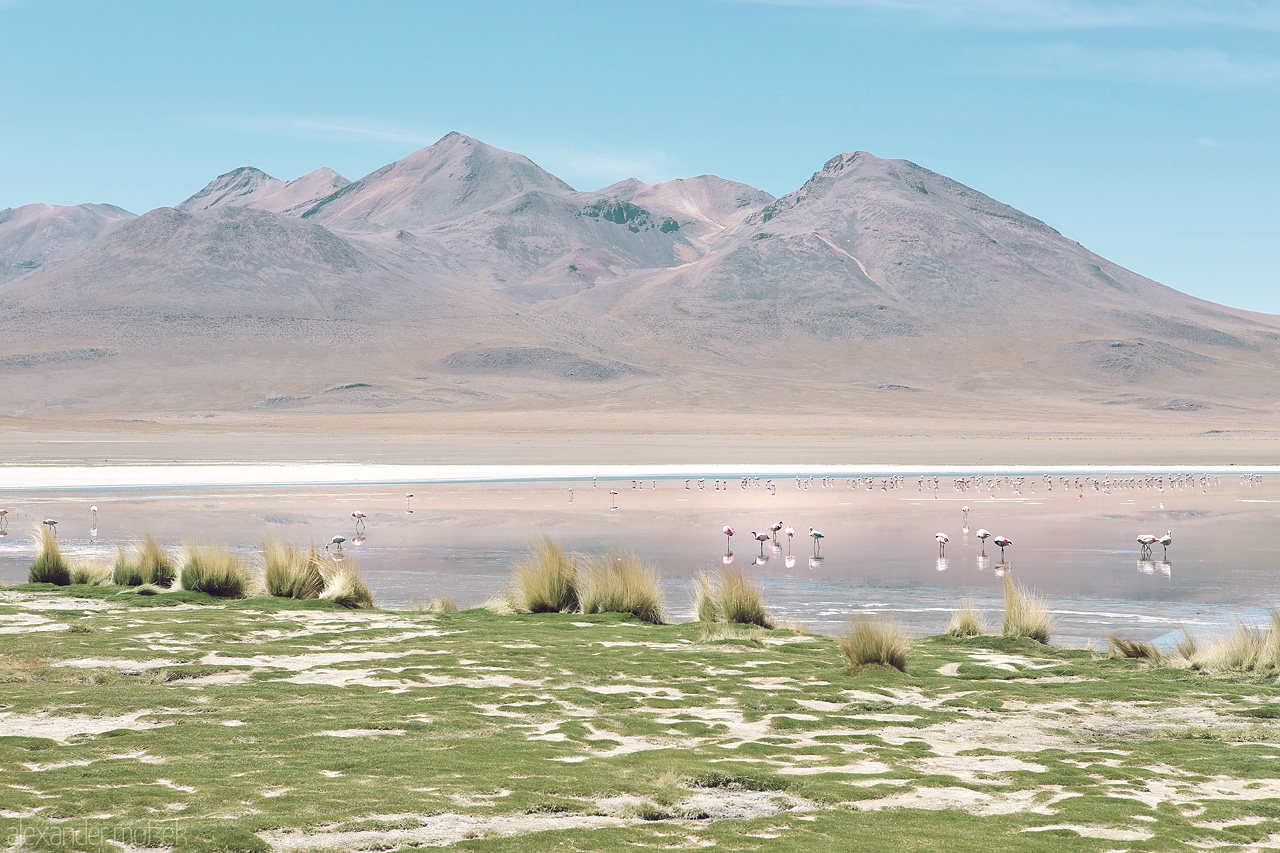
(154, 563)
(1025, 613)
(1244, 647)
(1118, 647)
(49, 566)
(967, 621)
(728, 595)
(547, 580)
(91, 574)
(621, 583)
(871, 641)
(343, 583)
(502, 604)
(736, 634)
(290, 572)
(216, 570)
(126, 572)
(439, 604)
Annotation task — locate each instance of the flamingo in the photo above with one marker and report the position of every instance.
(1146, 540)
(761, 538)
(336, 542)
(942, 542)
(93, 511)
(52, 523)
(965, 512)
(613, 496)
(728, 534)
(1003, 542)
(817, 538)
(408, 498)
(359, 517)
(791, 531)
(1166, 540)
(775, 528)
(982, 534)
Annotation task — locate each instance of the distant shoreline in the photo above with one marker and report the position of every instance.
(21, 478)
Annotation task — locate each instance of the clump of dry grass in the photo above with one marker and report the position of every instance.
(621, 583)
(728, 595)
(1025, 613)
(156, 566)
(49, 566)
(547, 580)
(91, 574)
(871, 641)
(439, 604)
(290, 572)
(967, 621)
(502, 604)
(126, 572)
(343, 583)
(1244, 647)
(217, 570)
(1119, 647)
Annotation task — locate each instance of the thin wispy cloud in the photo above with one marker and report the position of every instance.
(1156, 66)
(1068, 14)
(590, 168)
(325, 127)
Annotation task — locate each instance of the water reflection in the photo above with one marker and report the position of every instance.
(815, 562)
(790, 562)
(727, 559)
(943, 564)
(984, 562)
(761, 560)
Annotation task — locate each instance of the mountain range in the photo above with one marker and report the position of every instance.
(466, 277)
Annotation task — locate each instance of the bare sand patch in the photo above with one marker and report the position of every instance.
(62, 728)
(861, 768)
(297, 663)
(971, 801)
(976, 768)
(436, 831)
(350, 733)
(1105, 832)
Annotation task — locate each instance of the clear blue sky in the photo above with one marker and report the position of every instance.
(1149, 130)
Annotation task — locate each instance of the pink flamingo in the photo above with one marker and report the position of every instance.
(761, 538)
(1003, 542)
(982, 534)
(942, 542)
(1146, 540)
(1166, 540)
(791, 531)
(728, 534)
(775, 528)
(817, 538)
(359, 517)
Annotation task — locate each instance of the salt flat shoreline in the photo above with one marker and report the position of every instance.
(18, 478)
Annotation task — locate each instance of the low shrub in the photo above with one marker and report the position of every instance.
(290, 572)
(1025, 613)
(49, 566)
(440, 604)
(216, 570)
(547, 580)
(1119, 647)
(874, 642)
(621, 583)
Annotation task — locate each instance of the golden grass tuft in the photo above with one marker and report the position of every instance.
(1119, 647)
(290, 572)
(91, 574)
(126, 571)
(547, 580)
(1245, 648)
(156, 566)
(343, 583)
(728, 595)
(216, 570)
(49, 566)
(439, 604)
(1025, 613)
(876, 641)
(621, 583)
(967, 621)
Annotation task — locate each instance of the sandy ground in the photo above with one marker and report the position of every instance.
(652, 438)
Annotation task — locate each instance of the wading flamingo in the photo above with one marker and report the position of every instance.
(728, 534)
(775, 528)
(817, 538)
(336, 542)
(791, 531)
(761, 538)
(52, 524)
(408, 498)
(942, 542)
(1146, 540)
(1166, 540)
(1003, 542)
(982, 534)
(359, 517)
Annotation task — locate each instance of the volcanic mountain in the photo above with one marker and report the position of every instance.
(35, 234)
(464, 276)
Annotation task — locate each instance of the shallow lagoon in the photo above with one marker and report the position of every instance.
(1074, 539)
